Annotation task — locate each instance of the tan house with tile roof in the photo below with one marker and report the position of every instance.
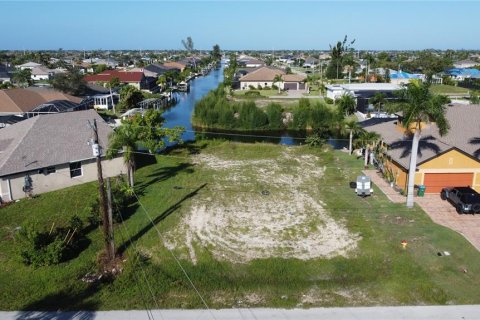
(451, 160)
(263, 77)
(51, 152)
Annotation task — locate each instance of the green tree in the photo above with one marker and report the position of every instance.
(277, 79)
(378, 101)
(129, 97)
(346, 104)
(420, 106)
(71, 82)
(275, 117)
(337, 53)
(216, 53)
(143, 130)
(354, 129)
(22, 78)
(474, 98)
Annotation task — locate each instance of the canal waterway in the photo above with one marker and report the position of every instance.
(181, 115)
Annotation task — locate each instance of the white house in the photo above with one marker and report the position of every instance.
(29, 65)
(51, 152)
(463, 64)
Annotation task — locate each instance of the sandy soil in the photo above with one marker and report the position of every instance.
(238, 223)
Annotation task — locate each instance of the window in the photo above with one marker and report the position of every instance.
(49, 170)
(75, 169)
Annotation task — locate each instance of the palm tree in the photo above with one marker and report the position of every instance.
(353, 128)
(125, 137)
(276, 79)
(346, 104)
(420, 106)
(378, 100)
(368, 140)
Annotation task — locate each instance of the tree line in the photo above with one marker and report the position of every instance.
(216, 111)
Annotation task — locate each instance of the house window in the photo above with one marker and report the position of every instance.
(49, 170)
(75, 169)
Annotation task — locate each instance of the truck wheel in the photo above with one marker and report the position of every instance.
(443, 195)
(476, 208)
(459, 208)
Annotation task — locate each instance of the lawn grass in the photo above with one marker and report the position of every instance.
(264, 93)
(448, 90)
(379, 272)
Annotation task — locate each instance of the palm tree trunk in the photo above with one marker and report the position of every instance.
(412, 168)
(350, 143)
(367, 149)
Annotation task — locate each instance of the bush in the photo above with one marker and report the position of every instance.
(274, 87)
(50, 247)
(266, 88)
(328, 100)
(259, 87)
(252, 93)
(251, 87)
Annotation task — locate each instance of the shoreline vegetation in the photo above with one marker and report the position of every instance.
(216, 111)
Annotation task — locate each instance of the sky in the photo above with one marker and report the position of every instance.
(237, 25)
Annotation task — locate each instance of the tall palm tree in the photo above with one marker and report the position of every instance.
(125, 138)
(420, 106)
(353, 128)
(378, 100)
(347, 104)
(368, 140)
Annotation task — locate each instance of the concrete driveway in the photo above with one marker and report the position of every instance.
(441, 212)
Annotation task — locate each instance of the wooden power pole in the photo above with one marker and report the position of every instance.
(107, 229)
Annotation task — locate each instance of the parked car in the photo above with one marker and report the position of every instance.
(465, 199)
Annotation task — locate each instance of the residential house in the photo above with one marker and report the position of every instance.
(51, 152)
(462, 74)
(310, 62)
(180, 65)
(362, 92)
(43, 73)
(29, 65)
(465, 64)
(133, 78)
(30, 101)
(251, 63)
(155, 70)
(5, 73)
(264, 76)
(451, 160)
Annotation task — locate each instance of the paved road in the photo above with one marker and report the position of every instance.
(465, 312)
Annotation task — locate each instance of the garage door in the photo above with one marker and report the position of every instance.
(290, 86)
(435, 182)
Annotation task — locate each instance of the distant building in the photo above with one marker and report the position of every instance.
(29, 65)
(462, 74)
(51, 152)
(463, 64)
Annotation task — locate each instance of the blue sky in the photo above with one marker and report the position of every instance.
(239, 24)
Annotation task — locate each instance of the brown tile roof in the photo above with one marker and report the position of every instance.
(262, 74)
(464, 128)
(36, 143)
(123, 76)
(174, 64)
(20, 100)
(268, 74)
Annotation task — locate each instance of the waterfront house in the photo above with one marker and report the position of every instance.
(264, 77)
(448, 161)
(51, 152)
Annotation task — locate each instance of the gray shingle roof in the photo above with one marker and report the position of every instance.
(464, 131)
(49, 140)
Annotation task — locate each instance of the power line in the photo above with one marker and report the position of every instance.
(174, 257)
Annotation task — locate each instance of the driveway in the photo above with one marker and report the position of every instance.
(441, 212)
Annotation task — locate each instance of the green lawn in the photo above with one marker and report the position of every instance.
(263, 93)
(448, 90)
(216, 175)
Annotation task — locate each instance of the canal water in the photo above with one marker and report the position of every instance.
(181, 115)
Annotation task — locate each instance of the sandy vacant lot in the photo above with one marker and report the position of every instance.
(262, 208)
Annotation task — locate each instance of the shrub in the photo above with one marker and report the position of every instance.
(328, 100)
(274, 87)
(266, 88)
(252, 93)
(251, 87)
(259, 87)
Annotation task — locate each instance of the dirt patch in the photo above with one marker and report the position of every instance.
(244, 223)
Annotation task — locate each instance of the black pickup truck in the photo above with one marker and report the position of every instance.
(465, 199)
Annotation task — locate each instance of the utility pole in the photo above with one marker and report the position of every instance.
(110, 217)
(109, 247)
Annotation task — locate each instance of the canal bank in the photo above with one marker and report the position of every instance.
(181, 115)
